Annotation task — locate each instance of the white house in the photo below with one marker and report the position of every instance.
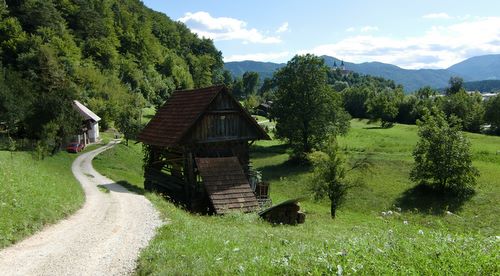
(90, 124)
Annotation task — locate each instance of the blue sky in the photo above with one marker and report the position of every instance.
(410, 34)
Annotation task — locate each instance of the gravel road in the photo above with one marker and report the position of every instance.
(104, 237)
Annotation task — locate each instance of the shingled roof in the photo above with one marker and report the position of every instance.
(180, 113)
(226, 184)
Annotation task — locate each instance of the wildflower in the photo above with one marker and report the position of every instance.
(389, 212)
(341, 253)
(339, 270)
(420, 232)
(405, 222)
(384, 214)
(390, 231)
(398, 208)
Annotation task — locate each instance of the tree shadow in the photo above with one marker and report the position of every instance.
(125, 184)
(274, 149)
(427, 200)
(374, 127)
(288, 168)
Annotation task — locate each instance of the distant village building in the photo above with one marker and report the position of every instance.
(264, 108)
(486, 96)
(341, 68)
(198, 152)
(89, 132)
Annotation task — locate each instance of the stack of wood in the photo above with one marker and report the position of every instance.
(287, 212)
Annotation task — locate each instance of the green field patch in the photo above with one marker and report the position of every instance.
(387, 226)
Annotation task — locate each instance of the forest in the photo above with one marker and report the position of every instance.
(114, 56)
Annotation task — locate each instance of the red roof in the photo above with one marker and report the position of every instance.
(178, 115)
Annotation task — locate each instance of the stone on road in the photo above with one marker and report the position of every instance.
(104, 237)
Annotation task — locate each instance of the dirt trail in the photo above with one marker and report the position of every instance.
(104, 237)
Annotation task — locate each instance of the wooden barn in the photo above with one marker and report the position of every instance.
(197, 151)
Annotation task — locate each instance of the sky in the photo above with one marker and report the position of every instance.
(411, 34)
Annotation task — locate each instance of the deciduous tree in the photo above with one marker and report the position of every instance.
(442, 155)
(305, 108)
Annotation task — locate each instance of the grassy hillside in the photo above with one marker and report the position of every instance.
(35, 193)
(421, 238)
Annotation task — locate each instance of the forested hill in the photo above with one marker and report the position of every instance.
(114, 56)
(473, 69)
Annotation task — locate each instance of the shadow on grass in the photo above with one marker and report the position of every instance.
(428, 200)
(286, 169)
(131, 187)
(269, 150)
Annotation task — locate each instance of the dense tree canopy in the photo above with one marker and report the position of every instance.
(493, 113)
(306, 109)
(107, 54)
(383, 105)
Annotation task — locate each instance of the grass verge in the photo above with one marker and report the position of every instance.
(35, 193)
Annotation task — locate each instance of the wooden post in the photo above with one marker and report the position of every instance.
(189, 175)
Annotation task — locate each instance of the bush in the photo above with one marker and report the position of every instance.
(442, 155)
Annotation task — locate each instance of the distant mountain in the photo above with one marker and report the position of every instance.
(265, 69)
(478, 68)
(473, 69)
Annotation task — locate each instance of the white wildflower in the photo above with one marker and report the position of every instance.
(339, 270)
(384, 214)
(390, 231)
(389, 212)
(405, 222)
(420, 232)
(341, 253)
(398, 208)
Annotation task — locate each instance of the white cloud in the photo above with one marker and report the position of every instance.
(366, 29)
(224, 28)
(259, 57)
(440, 15)
(283, 28)
(439, 47)
(350, 29)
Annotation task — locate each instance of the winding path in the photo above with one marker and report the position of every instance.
(104, 237)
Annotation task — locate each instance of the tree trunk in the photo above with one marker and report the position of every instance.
(333, 209)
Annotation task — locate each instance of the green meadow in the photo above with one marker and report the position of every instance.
(419, 233)
(35, 193)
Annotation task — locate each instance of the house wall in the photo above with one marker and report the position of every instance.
(223, 121)
(93, 132)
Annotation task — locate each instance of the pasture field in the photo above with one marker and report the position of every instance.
(423, 235)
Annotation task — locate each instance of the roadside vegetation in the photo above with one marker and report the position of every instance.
(34, 193)
(387, 225)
